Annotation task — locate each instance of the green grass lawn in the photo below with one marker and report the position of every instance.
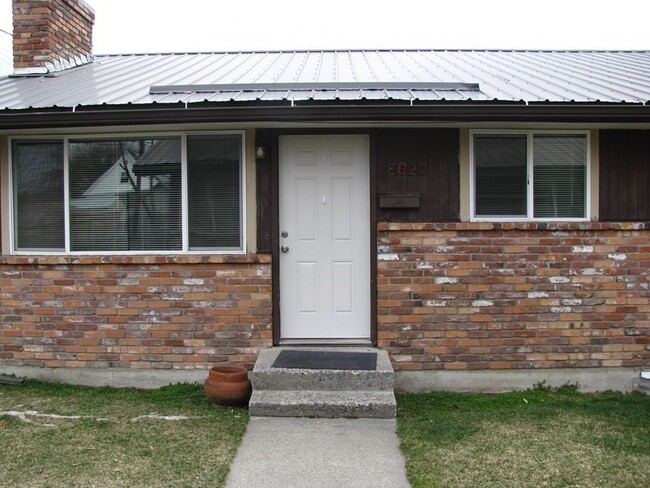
(109, 446)
(555, 438)
(541, 437)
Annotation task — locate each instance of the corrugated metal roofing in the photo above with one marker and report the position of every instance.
(380, 75)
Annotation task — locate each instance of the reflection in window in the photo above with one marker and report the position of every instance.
(125, 195)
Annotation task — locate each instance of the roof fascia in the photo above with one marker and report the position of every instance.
(151, 114)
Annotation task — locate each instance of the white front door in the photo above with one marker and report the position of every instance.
(325, 237)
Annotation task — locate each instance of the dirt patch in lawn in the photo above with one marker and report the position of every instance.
(62, 435)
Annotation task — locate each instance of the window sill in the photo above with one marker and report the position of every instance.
(487, 226)
(137, 259)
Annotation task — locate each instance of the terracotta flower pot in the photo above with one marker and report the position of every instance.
(228, 385)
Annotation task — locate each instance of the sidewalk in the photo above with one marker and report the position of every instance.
(309, 452)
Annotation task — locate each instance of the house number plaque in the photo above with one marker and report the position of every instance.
(402, 168)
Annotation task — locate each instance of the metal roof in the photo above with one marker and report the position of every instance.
(407, 76)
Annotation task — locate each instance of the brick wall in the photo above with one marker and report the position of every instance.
(450, 296)
(501, 296)
(166, 312)
(46, 31)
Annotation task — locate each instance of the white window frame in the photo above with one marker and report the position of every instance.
(184, 193)
(530, 134)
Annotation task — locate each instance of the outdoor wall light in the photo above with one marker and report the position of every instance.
(260, 152)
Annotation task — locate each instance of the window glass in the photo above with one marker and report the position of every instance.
(39, 210)
(214, 191)
(500, 175)
(559, 176)
(125, 195)
(547, 181)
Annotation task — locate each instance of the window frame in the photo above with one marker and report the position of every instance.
(65, 140)
(530, 184)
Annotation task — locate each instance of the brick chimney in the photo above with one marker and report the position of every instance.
(51, 35)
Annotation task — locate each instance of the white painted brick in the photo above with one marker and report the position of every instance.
(193, 281)
(387, 257)
(583, 249)
(435, 303)
(424, 265)
(445, 280)
(560, 309)
(537, 294)
(445, 249)
(482, 303)
(180, 289)
(592, 272)
(128, 282)
(617, 256)
(559, 279)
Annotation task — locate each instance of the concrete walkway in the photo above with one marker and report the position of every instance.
(314, 453)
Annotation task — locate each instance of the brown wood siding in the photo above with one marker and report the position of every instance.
(624, 175)
(419, 161)
(265, 189)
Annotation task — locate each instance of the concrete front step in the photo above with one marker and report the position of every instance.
(265, 377)
(323, 404)
(294, 392)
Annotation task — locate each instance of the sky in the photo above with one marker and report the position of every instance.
(136, 26)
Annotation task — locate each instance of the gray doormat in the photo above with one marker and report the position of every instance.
(366, 361)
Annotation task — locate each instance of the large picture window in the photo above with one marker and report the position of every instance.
(135, 194)
(529, 176)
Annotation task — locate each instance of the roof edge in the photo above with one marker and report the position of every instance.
(466, 113)
(378, 50)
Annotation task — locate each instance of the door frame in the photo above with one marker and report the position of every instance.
(268, 175)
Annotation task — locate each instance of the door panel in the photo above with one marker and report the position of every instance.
(306, 207)
(308, 287)
(342, 209)
(324, 258)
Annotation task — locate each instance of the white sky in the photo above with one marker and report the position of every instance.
(129, 26)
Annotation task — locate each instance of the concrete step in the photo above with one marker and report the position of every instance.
(266, 377)
(323, 404)
(328, 393)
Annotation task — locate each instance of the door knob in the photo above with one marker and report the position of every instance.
(284, 248)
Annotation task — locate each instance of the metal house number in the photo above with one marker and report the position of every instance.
(403, 168)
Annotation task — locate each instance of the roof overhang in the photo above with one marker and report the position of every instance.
(106, 115)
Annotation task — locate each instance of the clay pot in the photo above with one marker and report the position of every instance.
(228, 385)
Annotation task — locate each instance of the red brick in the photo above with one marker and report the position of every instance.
(165, 326)
(532, 322)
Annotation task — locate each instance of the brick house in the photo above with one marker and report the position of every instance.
(483, 216)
